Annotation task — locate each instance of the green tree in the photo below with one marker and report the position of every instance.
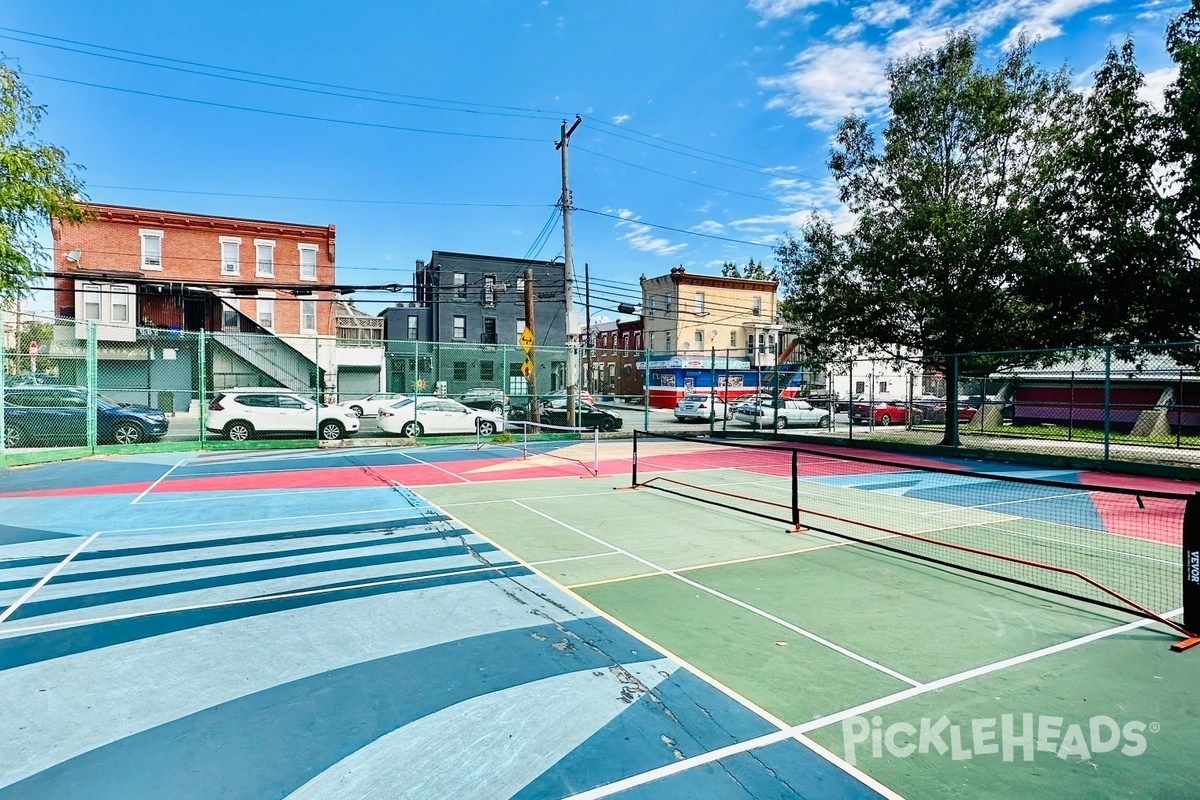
(947, 246)
(36, 184)
(753, 271)
(1182, 124)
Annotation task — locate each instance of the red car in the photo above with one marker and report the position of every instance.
(885, 412)
(933, 409)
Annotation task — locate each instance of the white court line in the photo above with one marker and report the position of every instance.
(241, 601)
(568, 558)
(435, 466)
(8, 612)
(730, 599)
(161, 478)
(263, 521)
(1015, 502)
(208, 498)
(849, 769)
(798, 731)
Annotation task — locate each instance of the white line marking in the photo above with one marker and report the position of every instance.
(435, 466)
(263, 521)
(699, 673)
(161, 478)
(798, 731)
(606, 581)
(573, 558)
(208, 498)
(8, 612)
(729, 599)
(240, 601)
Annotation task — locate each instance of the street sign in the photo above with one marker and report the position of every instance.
(527, 367)
(526, 339)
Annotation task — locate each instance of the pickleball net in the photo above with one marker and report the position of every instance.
(1113, 546)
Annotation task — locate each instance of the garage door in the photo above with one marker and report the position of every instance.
(355, 383)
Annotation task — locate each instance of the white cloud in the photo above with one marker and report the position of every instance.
(882, 14)
(829, 81)
(619, 118)
(843, 32)
(641, 237)
(778, 9)
(708, 226)
(1041, 20)
(1157, 82)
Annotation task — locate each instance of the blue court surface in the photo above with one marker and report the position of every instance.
(303, 625)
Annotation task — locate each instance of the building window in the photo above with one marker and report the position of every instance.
(231, 255)
(91, 301)
(699, 303)
(637, 340)
(668, 341)
(151, 249)
(308, 316)
(489, 291)
(733, 338)
(653, 305)
(860, 387)
(652, 341)
(230, 314)
(264, 258)
(520, 327)
(460, 370)
(667, 304)
(460, 327)
(771, 343)
(756, 306)
(699, 339)
(265, 310)
(413, 328)
(489, 330)
(521, 285)
(625, 342)
(460, 286)
(308, 262)
(120, 304)
(487, 371)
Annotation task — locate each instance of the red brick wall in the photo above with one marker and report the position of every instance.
(191, 253)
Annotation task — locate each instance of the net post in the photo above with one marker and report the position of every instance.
(796, 528)
(596, 451)
(634, 482)
(1191, 572)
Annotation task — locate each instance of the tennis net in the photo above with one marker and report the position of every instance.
(1121, 547)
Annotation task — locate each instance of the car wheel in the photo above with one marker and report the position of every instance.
(497, 408)
(412, 430)
(486, 427)
(885, 420)
(607, 425)
(13, 436)
(780, 423)
(917, 418)
(823, 422)
(331, 430)
(239, 431)
(128, 433)
(356, 410)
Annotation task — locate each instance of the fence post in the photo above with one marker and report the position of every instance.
(725, 421)
(1107, 397)
(647, 353)
(202, 385)
(712, 388)
(3, 376)
(91, 385)
(317, 387)
(850, 392)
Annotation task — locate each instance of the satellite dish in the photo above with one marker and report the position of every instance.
(74, 255)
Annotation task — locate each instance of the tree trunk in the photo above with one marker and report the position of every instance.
(950, 439)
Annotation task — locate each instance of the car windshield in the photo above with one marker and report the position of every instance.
(106, 402)
(408, 401)
(695, 398)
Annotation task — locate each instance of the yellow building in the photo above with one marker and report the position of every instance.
(688, 314)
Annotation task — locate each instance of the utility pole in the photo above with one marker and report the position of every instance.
(535, 412)
(568, 281)
(589, 349)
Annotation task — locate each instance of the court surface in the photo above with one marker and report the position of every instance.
(451, 622)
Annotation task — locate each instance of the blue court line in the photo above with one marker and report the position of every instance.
(38, 608)
(216, 561)
(271, 742)
(32, 648)
(203, 544)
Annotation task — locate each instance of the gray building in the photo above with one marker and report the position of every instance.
(472, 307)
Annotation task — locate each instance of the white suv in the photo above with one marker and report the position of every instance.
(243, 413)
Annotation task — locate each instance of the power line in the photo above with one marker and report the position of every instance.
(677, 177)
(669, 228)
(288, 114)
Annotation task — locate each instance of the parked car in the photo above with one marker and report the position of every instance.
(419, 416)
(748, 401)
(559, 398)
(1007, 407)
(781, 413)
(883, 412)
(933, 409)
(486, 398)
(36, 414)
(244, 413)
(700, 407)
(586, 416)
(369, 405)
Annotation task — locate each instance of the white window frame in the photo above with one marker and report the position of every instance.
(228, 303)
(258, 270)
(520, 327)
(93, 294)
(143, 235)
(699, 339)
(756, 306)
(733, 338)
(308, 308)
(412, 330)
(698, 303)
(265, 300)
(236, 241)
(459, 282)
(459, 318)
(653, 305)
(308, 248)
(669, 342)
(123, 293)
(667, 304)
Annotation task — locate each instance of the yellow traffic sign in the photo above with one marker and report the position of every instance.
(526, 339)
(527, 367)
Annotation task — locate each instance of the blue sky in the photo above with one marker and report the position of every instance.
(704, 117)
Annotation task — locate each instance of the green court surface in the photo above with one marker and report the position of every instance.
(842, 639)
